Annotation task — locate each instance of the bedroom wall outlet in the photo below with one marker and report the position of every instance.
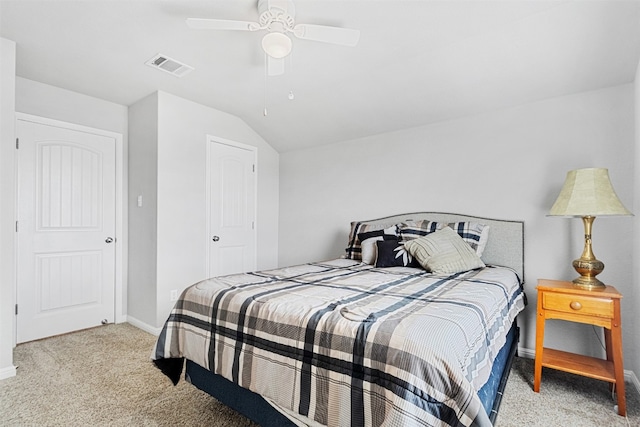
(174, 295)
(140, 201)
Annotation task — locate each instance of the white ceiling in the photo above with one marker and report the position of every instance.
(417, 62)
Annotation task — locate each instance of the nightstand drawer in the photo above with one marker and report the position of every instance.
(578, 304)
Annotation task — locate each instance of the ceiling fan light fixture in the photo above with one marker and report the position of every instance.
(276, 45)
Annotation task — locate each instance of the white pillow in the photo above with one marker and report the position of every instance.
(369, 247)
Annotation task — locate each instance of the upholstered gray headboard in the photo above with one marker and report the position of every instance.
(506, 237)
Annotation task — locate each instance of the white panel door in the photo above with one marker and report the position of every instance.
(232, 207)
(66, 230)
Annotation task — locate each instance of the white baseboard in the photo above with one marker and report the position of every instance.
(633, 379)
(527, 353)
(7, 372)
(629, 376)
(142, 325)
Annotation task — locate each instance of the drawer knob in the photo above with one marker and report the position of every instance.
(575, 305)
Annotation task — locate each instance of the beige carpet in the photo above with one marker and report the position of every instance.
(103, 377)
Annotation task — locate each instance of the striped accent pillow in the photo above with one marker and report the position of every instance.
(413, 230)
(474, 233)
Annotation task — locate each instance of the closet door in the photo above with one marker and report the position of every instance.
(232, 207)
(66, 230)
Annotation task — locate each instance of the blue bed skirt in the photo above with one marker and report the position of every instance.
(491, 393)
(242, 400)
(254, 407)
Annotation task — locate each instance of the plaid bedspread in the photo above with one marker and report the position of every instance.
(346, 344)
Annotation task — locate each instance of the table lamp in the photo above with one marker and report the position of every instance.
(588, 193)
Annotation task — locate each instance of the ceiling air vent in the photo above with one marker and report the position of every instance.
(169, 65)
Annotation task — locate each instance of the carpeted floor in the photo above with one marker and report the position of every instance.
(104, 377)
(564, 400)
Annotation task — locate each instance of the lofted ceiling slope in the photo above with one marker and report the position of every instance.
(417, 62)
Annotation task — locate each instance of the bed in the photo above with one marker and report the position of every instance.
(418, 334)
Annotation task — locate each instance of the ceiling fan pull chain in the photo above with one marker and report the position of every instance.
(291, 96)
(264, 112)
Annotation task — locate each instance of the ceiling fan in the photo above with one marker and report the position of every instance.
(277, 17)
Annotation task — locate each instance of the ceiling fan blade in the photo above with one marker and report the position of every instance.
(221, 24)
(322, 33)
(275, 66)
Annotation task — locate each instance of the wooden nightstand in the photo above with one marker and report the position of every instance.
(561, 300)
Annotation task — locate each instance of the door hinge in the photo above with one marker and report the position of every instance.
(16, 309)
(254, 168)
(17, 143)
(253, 225)
(16, 226)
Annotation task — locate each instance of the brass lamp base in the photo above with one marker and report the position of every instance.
(589, 283)
(587, 265)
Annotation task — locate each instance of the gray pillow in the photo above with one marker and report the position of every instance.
(444, 252)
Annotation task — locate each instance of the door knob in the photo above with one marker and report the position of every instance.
(109, 239)
(216, 238)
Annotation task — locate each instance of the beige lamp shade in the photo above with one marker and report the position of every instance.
(588, 192)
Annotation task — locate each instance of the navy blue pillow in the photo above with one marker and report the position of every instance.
(391, 253)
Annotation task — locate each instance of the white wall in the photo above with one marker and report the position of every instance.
(182, 128)
(632, 359)
(7, 205)
(506, 164)
(56, 103)
(143, 177)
